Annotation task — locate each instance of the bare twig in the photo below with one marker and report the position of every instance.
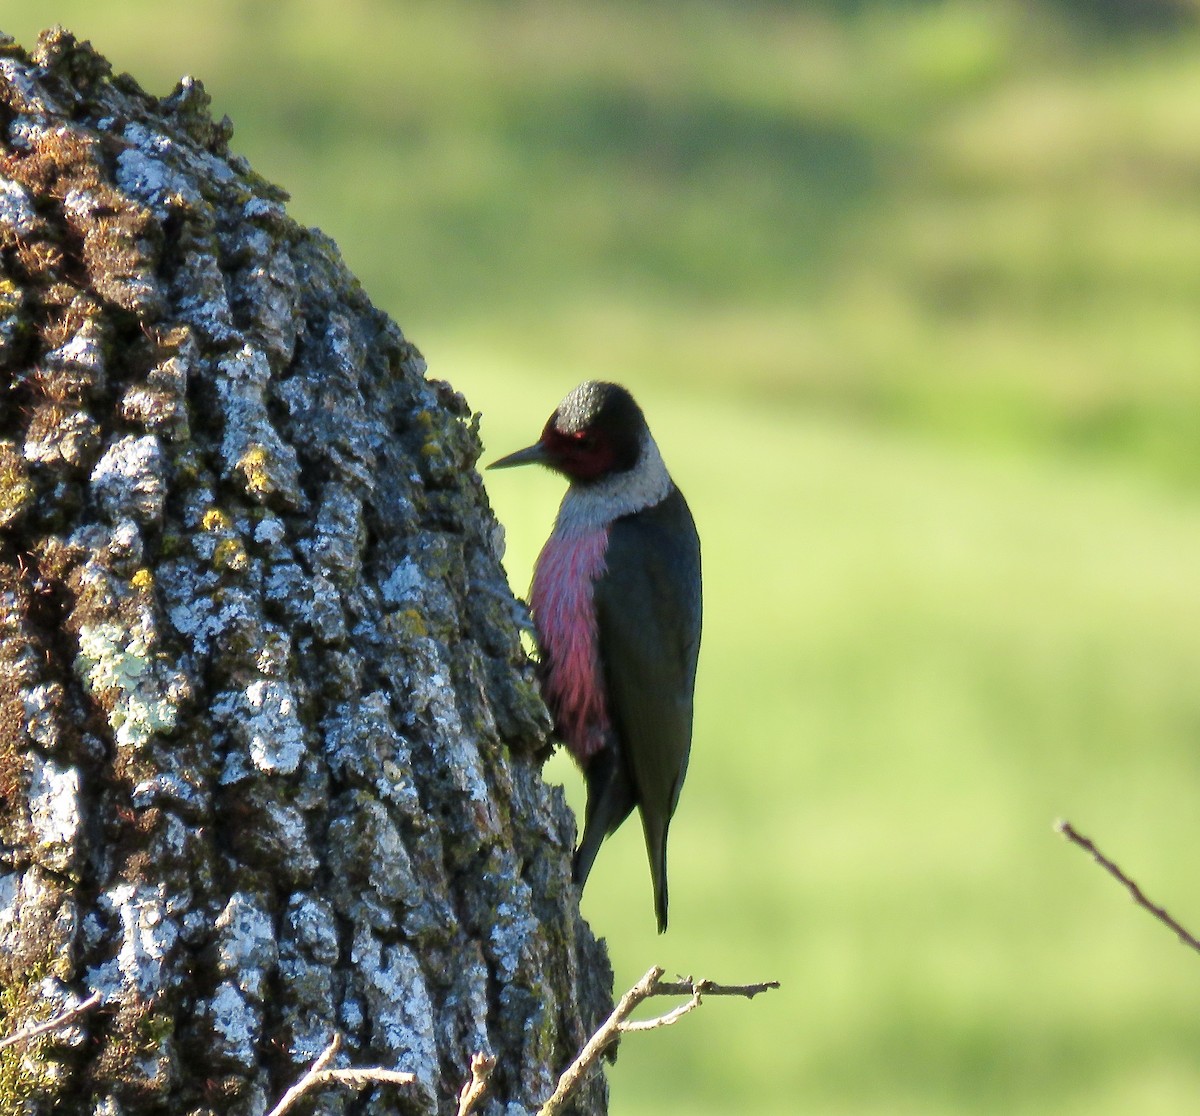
(618, 1023)
(685, 986)
(319, 1075)
(60, 1020)
(665, 1020)
(308, 1080)
(1135, 893)
(473, 1091)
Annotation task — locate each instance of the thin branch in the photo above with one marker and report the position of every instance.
(685, 986)
(1135, 893)
(308, 1080)
(665, 1020)
(60, 1020)
(474, 1090)
(360, 1078)
(618, 1023)
(319, 1075)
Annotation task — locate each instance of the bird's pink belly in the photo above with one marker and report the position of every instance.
(564, 614)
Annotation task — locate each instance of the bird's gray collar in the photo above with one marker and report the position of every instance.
(590, 507)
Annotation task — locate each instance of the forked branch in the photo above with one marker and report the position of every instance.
(619, 1023)
(473, 1091)
(319, 1075)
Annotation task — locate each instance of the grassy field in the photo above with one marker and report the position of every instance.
(911, 295)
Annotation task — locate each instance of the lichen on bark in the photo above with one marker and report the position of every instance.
(269, 745)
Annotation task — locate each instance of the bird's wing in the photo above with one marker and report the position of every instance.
(648, 607)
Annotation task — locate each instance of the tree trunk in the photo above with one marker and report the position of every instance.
(269, 746)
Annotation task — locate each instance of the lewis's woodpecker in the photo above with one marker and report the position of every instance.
(616, 605)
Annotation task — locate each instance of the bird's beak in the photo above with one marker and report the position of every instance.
(530, 455)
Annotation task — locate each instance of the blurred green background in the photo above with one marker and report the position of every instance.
(911, 295)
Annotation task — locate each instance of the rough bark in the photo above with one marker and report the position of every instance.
(269, 746)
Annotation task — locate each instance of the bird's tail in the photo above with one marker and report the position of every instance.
(656, 848)
(609, 802)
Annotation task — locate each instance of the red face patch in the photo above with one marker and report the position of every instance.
(582, 455)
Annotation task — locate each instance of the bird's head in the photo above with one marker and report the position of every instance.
(596, 431)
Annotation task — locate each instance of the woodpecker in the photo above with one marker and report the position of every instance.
(616, 605)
